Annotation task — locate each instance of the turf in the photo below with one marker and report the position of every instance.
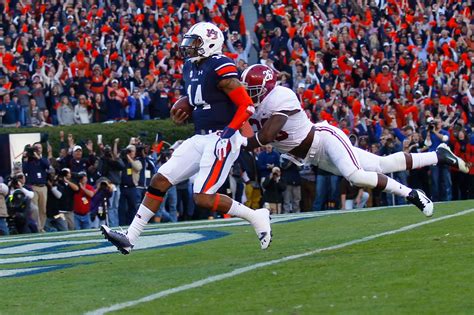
(427, 270)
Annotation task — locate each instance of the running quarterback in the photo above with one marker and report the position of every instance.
(220, 106)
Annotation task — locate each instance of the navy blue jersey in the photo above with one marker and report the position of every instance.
(213, 109)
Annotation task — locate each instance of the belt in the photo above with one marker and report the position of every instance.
(38, 185)
(127, 186)
(303, 149)
(207, 131)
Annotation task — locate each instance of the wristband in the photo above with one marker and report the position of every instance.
(258, 140)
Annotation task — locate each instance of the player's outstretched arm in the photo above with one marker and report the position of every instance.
(270, 130)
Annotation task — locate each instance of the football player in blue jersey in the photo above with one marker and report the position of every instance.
(221, 106)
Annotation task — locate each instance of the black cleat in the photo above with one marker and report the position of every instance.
(118, 239)
(421, 201)
(447, 157)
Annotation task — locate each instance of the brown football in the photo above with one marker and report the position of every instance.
(184, 105)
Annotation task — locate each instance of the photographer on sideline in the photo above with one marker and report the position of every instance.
(82, 203)
(128, 187)
(65, 204)
(35, 168)
(440, 176)
(100, 202)
(3, 210)
(56, 221)
(21, 211)
(111, 166)
(274, 187)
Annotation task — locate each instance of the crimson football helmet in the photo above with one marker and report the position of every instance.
(259, 81)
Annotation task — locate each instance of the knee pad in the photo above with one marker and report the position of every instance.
(361, 178)
(154, 193)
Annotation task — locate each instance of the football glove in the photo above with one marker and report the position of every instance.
(223, 147)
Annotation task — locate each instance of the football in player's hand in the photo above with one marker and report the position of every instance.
(181, 110)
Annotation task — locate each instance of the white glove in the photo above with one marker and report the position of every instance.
(223, 147)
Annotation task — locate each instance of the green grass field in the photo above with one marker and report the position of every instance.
(377, 262)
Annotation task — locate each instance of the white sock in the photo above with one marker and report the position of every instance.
(241, 211)
(424, 159)
(139, 222)
(396, 188)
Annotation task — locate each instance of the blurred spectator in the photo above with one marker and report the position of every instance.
(292, 194)
(463, 184)
(128, 185)
(274, 187)
(267, 160)
(236, 181)
(75, 161)
(237, 47)
(82, 202)
(10, 112)
(253, 191)
(327, 191)
(82, 114)
(111, 167)
(65, 202)
(4, 192)
(308, 187)
(100, 202)
(390, 146)
(55, 221)
(35, 168)
(440, 177)
(65, 112)
(23, 215)
(352, 197)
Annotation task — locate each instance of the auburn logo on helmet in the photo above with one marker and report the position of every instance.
(211, 33)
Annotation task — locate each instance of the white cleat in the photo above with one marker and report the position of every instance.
(262, 227)
(419, 199)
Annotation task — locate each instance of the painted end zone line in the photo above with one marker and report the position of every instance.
(242, 270)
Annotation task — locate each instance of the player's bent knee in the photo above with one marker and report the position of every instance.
(203, 200)
(160, 182)
(361, 178)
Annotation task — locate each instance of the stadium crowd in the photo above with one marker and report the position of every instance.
(394, 75)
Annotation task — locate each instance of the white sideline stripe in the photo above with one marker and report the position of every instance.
(218, 223)
(242, 270)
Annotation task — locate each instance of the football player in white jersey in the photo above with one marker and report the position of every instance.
(280, 120)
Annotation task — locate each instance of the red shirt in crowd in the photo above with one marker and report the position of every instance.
(82, 201)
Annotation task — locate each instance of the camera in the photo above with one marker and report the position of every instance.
(124, 153)
(431, 126)
(63, 173)
(30, 151)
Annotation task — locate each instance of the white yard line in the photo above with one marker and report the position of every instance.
(242, 270)
(218, 223)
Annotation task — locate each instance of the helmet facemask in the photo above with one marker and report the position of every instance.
(191, 48)
(256, 92)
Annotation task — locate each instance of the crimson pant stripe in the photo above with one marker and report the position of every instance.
(351, 153)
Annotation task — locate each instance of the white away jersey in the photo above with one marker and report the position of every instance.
(296, 127)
